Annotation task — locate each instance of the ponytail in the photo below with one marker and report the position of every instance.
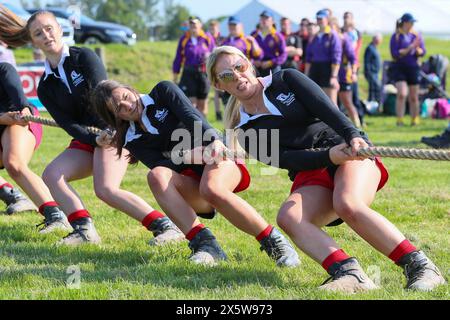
(13, 30)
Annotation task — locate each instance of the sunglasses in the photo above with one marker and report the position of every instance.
(228, 75)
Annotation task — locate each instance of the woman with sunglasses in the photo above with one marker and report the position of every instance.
(156, 128)
(69, 75)
(330, 185)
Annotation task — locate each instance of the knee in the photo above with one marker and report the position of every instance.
(287, 220)
(157, 178)
(51, 176)
(14, 167)
(348, 209)
(104, 193)
(401, 95)
(212, 193)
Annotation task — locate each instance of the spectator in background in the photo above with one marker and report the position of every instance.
(214, 31)
(356, 40)
(347, 75)
(293, 45)
(247, 44)
(303, 33)
(313, 29)
(407, 47)
(7, 55)
(323, 57)
(193, 49)
(272, 43)
(372, 67)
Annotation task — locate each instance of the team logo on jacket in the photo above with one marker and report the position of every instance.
(161, 115)
(271, 44)
(286, 99)
(77, 78)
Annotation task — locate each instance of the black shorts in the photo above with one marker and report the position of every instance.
(410, 74)
(194, 83)
(320, 73)
(345, 86)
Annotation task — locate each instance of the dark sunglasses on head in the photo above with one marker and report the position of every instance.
(229, 75)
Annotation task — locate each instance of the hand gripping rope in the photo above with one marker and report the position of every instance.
(387, 152)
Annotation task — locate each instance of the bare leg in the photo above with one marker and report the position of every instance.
(70, 165)
(18, 148)
(109, 171)
(303, 214)
(216, 187)
(355, 187)
(400, 102)
(413, 99)
(346, 99)
(178, 196)
(202, 106)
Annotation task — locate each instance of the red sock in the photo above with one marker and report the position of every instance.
(337, 256)
(265, 233)
(152, 216)
(7, 185)
(191, 234)
(78, 215)
(403, 248)
(47, 204)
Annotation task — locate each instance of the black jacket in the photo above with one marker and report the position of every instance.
(68, 102)
(166, 108)
(305, 117)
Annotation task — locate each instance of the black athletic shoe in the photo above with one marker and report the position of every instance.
(441, 141)
(279, 249)
(83, 232)
(209, 215)
(164, 232)
(205, 249)
(15, 201)
(421, 273)
(348, 277)
(54, 219)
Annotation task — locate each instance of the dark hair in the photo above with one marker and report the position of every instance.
(13, 30)
(102, 102)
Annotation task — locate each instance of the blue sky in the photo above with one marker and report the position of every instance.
(207, 9)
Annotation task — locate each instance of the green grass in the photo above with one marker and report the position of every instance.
(416, 199)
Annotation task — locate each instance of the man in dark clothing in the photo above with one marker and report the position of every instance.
(293, 45)
(372, 66)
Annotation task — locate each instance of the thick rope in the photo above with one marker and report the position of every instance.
(386, 152)
(52, 123)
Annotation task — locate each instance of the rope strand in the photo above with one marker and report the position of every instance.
(386, 152)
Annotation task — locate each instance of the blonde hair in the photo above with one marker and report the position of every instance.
(232, 113)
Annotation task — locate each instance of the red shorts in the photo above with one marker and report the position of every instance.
(35, 129)
(243, 184)
(75, 144)
(321, 177)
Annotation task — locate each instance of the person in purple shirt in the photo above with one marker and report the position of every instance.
(406, 47)
(323, 57)
(272, 43)
(192, 51)
(247, 44)
(347, 77)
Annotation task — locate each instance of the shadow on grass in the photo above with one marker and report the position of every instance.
(163, 266)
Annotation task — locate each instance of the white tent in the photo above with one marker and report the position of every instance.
(371, 16)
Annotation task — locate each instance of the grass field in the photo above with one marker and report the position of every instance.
(416, 199)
